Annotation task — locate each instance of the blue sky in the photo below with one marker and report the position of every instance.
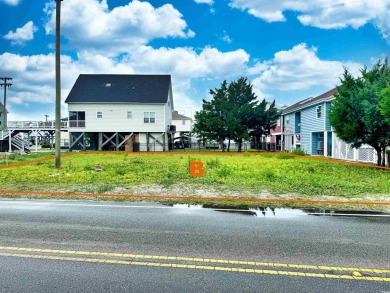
(289, 50)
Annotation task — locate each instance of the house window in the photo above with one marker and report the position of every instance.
(288, 119)
(76, 119)
(149, 117)
(319, 111)
(183, 122)
(99, 114)
(129, 115)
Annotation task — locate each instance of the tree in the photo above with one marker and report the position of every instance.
(210, 121)
(241, 109)
(355, 114)
(384, 105)
(233, 113)
(264, 120)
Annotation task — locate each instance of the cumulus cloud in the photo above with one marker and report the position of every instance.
(187, 63)
(11, 2)
(23, 34)
(299, 69)
(35, 75)
(209, 2)
(326, 14)
(90, 25)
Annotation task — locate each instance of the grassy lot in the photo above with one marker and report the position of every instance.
(246, 175)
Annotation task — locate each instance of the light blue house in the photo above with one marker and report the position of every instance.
(306, 125)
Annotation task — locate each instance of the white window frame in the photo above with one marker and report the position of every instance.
(130, 116)
(319, 107)
(99, 113)
(183, 122)
(149, 117)
(287, 119)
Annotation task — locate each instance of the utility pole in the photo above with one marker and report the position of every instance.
(58, 85)
(6, 85)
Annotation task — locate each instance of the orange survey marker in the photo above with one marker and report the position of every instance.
(196, 169)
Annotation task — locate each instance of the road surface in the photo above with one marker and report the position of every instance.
(83, 246)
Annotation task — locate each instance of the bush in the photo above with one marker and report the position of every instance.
(47, 146)
(299, 152)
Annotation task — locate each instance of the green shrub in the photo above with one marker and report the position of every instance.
(299, 152)
(47, 146)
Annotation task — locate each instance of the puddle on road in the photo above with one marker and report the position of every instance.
(286, 212)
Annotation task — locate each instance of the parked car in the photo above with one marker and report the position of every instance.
(178, 145)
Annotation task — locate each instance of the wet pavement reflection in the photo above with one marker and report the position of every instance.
(287, 212)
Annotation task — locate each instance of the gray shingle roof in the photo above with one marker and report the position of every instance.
(302, 104)
(177, 116)
(123, 88)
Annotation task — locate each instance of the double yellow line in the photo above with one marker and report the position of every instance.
(330, 272)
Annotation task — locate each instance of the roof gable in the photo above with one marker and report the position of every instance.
(124, 88)
(310, 101)
(177, 116)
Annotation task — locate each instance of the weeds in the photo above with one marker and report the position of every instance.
(277, 174)
(299, 152)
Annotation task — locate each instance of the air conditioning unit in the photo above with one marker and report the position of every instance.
(172, 128)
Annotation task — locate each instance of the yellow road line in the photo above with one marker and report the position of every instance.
(191, 259)
(183, 266)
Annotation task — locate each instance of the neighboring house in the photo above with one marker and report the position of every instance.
(127, 112)
(182, 136)
(276, 134)
(306, 125)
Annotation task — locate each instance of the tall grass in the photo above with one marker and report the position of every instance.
(277, 174)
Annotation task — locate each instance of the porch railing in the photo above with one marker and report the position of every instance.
(77, 123)
(35, 124)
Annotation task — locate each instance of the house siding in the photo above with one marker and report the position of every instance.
(180, 127)
(290, 126)
(328, 127)
(115, 117)
(310, 124)
(169, 108)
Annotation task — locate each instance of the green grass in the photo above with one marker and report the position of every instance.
(246, 175)
(17, 158)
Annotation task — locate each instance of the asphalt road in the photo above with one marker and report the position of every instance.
(81, 246)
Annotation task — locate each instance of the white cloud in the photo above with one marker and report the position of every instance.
(23, 34)
(90, 25)
(226, 38)
(209, 2)
(299, 69)
(11, 2)
(186, 63)
(326, 14)
(34, 76)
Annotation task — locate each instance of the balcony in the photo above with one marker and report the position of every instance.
(35, 124)
(76, 123)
